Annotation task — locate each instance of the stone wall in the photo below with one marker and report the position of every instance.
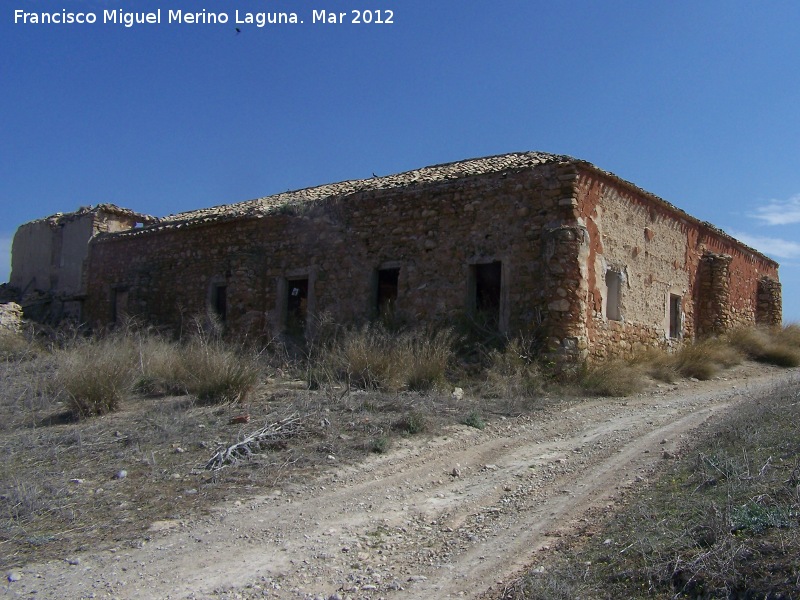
(677, 277)
(592, 264)
(437, 235)
(769, 304)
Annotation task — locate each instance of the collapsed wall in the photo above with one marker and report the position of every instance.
(48, 258)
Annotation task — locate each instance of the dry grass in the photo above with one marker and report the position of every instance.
(705, 359)
(94, 376)
(614, 377)
(171, 409)
(214, 372)
(15, 345)
(514, 372)
(374, 359)
(779, 347)
(724, 522)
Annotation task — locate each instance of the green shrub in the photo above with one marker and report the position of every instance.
(380, 445)
(474, 419)
(412, 423)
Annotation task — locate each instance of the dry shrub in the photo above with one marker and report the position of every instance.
(366, 357)
(658, 364)
(425, 358)
(373, 358)
(514, 372)
(215, 372)
(749, 340)
(704, 359)
(162, 366)
(612, 377)
(781, 355)
(790, 335)
(14, 345)
(779, 347)
(95, 375)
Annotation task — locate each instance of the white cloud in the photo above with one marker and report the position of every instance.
(772, 246)
(779, 212)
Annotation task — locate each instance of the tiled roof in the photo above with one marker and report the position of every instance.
(113, 209)
(425, 175)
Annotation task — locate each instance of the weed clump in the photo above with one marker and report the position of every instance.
(412, 423)
(474, 419)
(779, 347)
(613, 377)
(373, 358)
(514, 372)
(95, 375)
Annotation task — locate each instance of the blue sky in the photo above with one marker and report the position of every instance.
(696, 102)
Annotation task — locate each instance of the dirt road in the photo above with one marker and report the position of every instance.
(443, 517)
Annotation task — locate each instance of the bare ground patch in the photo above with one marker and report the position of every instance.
(442, 509)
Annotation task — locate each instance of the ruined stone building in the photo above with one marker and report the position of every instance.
(48, 257)
(526, 242)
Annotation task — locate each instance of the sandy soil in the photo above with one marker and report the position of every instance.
(452, 516)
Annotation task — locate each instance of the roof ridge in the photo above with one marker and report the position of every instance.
(428, 174)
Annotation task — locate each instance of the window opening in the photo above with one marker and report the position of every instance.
(119, 305)
(387, 291)
(297, 306)
(675, 329)
(613, 293)
(219, 301)
(487, 279)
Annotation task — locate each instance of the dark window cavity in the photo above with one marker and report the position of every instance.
(486, 284)
(296, 306)
(387, 291)
(219, 300)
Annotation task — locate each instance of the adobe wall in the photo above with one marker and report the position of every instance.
(434, 233)
(48, 255)
(31, 253)
(660, 253)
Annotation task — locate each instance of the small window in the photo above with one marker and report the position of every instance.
(486, 285)
(119, 304)
(387, 291)
(219, 300)
(675, 314)
(613, 295)
(296, 306)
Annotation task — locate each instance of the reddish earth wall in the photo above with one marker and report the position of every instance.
(664, 256)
